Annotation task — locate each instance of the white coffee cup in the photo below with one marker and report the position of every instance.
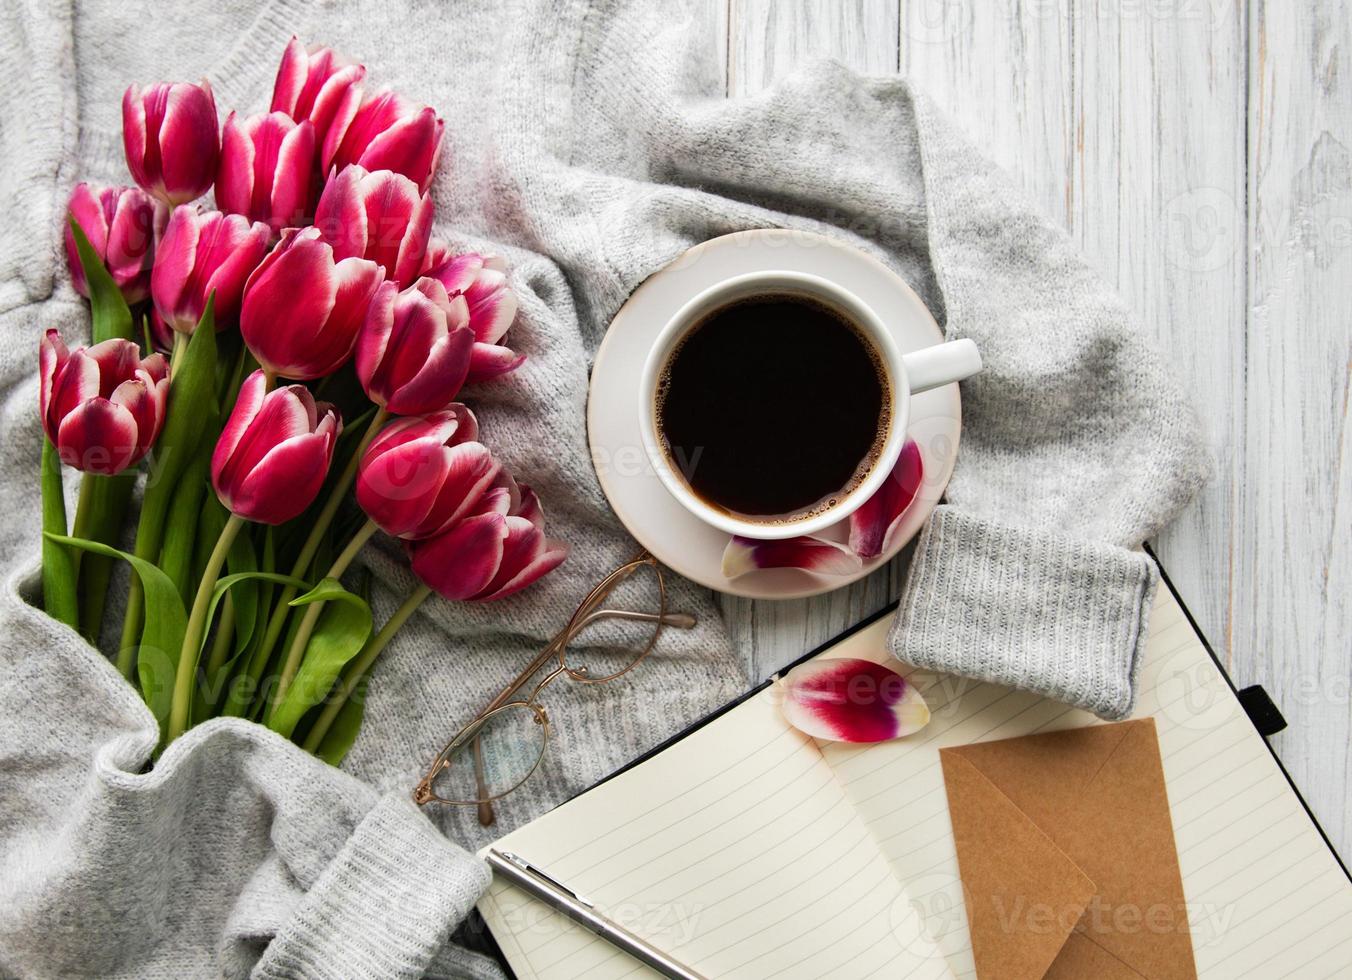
(907, 374)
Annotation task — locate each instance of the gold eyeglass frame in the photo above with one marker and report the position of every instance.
(588, 611)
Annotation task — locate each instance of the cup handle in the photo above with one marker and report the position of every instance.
(941, 364)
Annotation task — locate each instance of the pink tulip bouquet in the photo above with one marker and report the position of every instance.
(228, 347)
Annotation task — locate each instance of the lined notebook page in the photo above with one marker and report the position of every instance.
(736, 851)
(1265, 896)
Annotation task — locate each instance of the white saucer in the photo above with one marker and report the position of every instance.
(678, 539)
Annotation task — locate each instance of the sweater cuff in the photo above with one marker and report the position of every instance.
(385, 904)
(1062, 617)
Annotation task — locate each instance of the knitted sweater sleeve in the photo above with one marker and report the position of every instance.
(36, 140)
(1077, 445)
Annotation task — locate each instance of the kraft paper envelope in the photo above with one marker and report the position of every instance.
(1066, 853)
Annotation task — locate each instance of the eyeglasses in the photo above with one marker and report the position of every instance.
(617, 625)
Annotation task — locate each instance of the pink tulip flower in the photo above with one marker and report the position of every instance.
(414, 349)
(267, 162)
(379, 216)
(274, 452)
(172, 139)
(161, 334)
(301, 310)
(103, 406)
(482, 280)
(499, 549)
(389, 133)
(204, 252)
(317, 85)
(423, 474)
(122, 224)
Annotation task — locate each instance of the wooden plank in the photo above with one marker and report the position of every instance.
(1002, 70)
(1198, 152)
(1293, 560)
(1127, 123)
(709, 33)
(768, 39)
(1157, 202)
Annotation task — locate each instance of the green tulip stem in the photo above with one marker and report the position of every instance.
(192, 372)
(180, 346)
(197, 625)
(59, 596)
(361, 666)
(84, 516)
(225, 634)
(323, 521)
(312, 611)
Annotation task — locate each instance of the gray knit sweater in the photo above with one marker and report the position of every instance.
(577, 146)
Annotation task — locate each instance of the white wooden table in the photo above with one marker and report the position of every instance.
(1200, 152)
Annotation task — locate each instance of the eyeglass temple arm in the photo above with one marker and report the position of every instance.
(677, 620)
(486, 815)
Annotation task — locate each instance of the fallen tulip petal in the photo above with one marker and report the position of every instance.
(873, 527)
(849, 699)
(743, 555)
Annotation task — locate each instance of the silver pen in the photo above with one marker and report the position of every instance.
(561, 898)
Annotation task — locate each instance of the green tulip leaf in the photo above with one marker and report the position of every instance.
(108, 308)
(329, 588)
(242, 559)
(343, 732)
(182, 527)
(59, 596)
(210, 522)
(211, 688)
(191, 416)
(107, 504)
(165, 623)
(242, 693)
(343, 629)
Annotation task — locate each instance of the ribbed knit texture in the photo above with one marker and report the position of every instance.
(1033, 609)
(581, 146)
(393, 859)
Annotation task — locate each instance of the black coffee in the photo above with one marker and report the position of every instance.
(773, 407)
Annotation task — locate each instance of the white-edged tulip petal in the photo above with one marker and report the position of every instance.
(873, 527)
(745, 555)
(849, 699)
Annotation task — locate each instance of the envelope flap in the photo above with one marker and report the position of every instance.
(1141, 915)
(1024, 895)
(1046, 775)
(1099, 794)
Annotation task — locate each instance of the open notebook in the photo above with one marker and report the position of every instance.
(746, 849)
